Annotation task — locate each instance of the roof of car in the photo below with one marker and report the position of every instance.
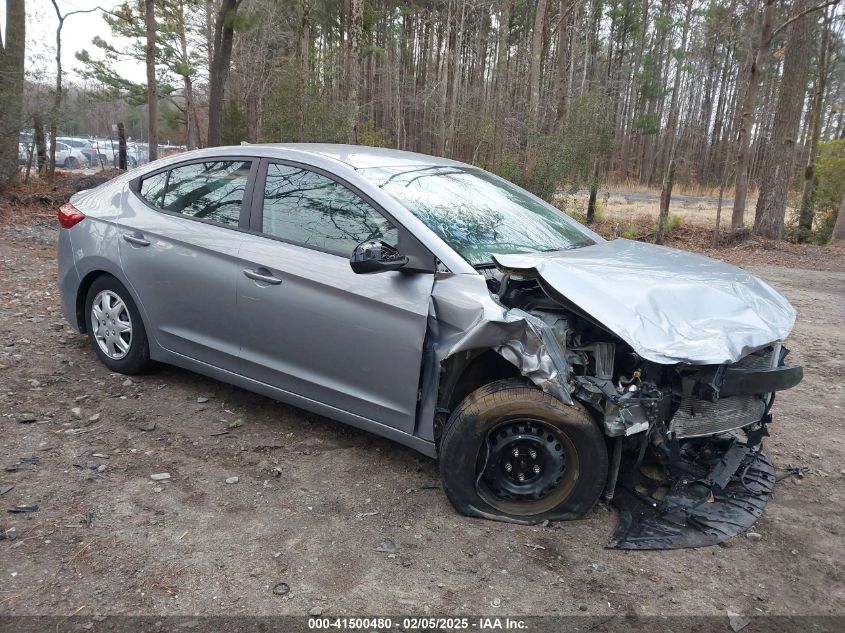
(362, 156)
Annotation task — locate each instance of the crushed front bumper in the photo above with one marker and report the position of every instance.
(713, 490)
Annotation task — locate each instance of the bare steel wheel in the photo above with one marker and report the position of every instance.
(111, 324)
(115, 327)
(526, 466)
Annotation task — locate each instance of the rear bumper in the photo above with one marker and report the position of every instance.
(68, 280)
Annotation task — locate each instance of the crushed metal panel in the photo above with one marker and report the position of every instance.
(670, 306)
(464, 316)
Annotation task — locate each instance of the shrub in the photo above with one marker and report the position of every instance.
(631, 232)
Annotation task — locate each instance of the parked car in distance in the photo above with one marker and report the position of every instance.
(70, 157)
(84, 145)
(440, 306)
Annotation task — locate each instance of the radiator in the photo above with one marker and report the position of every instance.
(696, 417)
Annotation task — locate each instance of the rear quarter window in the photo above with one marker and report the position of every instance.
(152, 188)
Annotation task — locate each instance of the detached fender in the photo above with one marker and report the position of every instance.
(464, 316)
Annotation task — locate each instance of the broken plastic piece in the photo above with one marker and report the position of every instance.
(682, 510)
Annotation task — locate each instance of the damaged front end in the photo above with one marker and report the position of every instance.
(685, 437)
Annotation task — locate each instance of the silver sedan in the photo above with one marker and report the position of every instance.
(447, 309)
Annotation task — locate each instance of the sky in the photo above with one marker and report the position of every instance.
(78, 31)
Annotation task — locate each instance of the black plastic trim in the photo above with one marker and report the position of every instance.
(747, 382)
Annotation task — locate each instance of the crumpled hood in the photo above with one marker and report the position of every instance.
(670, 306)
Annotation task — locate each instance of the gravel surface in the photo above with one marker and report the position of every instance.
(319, 517)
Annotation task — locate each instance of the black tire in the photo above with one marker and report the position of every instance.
(71, 163)
(571, 455)
(137, 358)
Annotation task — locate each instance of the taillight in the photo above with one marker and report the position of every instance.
(70, 216)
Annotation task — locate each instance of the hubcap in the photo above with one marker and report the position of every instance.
(526, 461)
(111, 324)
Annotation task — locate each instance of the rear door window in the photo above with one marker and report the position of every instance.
(211, 190)
(208, 191)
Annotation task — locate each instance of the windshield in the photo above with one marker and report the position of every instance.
(478, 214)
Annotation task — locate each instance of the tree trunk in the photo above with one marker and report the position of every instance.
(456, 83)
(304, 64)
(743, 154)
(40, 143)
(665, 200)
(562, 58)
(356, 33)
(668, 151)
(805, 216)
(12, 50)
(777, 172)
(838, 236)
(594, 191)
(535, 64)
(121, 146)
(501, 90)
(224, 35)
(152, 81)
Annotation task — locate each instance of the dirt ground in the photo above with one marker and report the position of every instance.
(314, 499)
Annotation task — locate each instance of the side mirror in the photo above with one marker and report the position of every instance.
(375, 256)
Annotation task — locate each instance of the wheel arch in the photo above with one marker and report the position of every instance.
(88, 279)
(463, 373)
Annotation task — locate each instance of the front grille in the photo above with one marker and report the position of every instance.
(696, 417)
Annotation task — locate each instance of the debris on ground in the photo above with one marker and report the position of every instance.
(737, 621)
(281, 589)
(386, 546)
(160, 476)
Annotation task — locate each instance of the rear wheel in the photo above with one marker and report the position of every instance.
(115, 328)
(71, 163)
(511, 452)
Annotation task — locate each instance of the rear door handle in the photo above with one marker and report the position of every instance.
(263, 275)
(136, 239)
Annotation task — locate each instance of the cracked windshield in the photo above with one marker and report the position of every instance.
(477, 214)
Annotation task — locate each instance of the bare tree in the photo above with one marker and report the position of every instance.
(838, 236)
(221, 57)
(354, 80)
(12, 48)
(152, 81)
(57, 96)
(805, 217)
(780, 153)
(743, 154)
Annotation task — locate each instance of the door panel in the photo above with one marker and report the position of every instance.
(185, 271)
(350, 341)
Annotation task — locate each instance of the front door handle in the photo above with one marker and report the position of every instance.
(263, 275)
(136, 239)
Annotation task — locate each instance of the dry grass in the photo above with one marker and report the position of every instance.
(750, 250)
(38, 201)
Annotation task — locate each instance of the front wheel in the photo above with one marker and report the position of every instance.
(71, 163)
(115, 328)
(513, 453)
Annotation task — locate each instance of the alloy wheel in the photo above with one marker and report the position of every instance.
(111, 324)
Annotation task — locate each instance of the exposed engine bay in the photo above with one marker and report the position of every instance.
(685, 439)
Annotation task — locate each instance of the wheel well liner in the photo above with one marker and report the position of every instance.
(466, 371)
